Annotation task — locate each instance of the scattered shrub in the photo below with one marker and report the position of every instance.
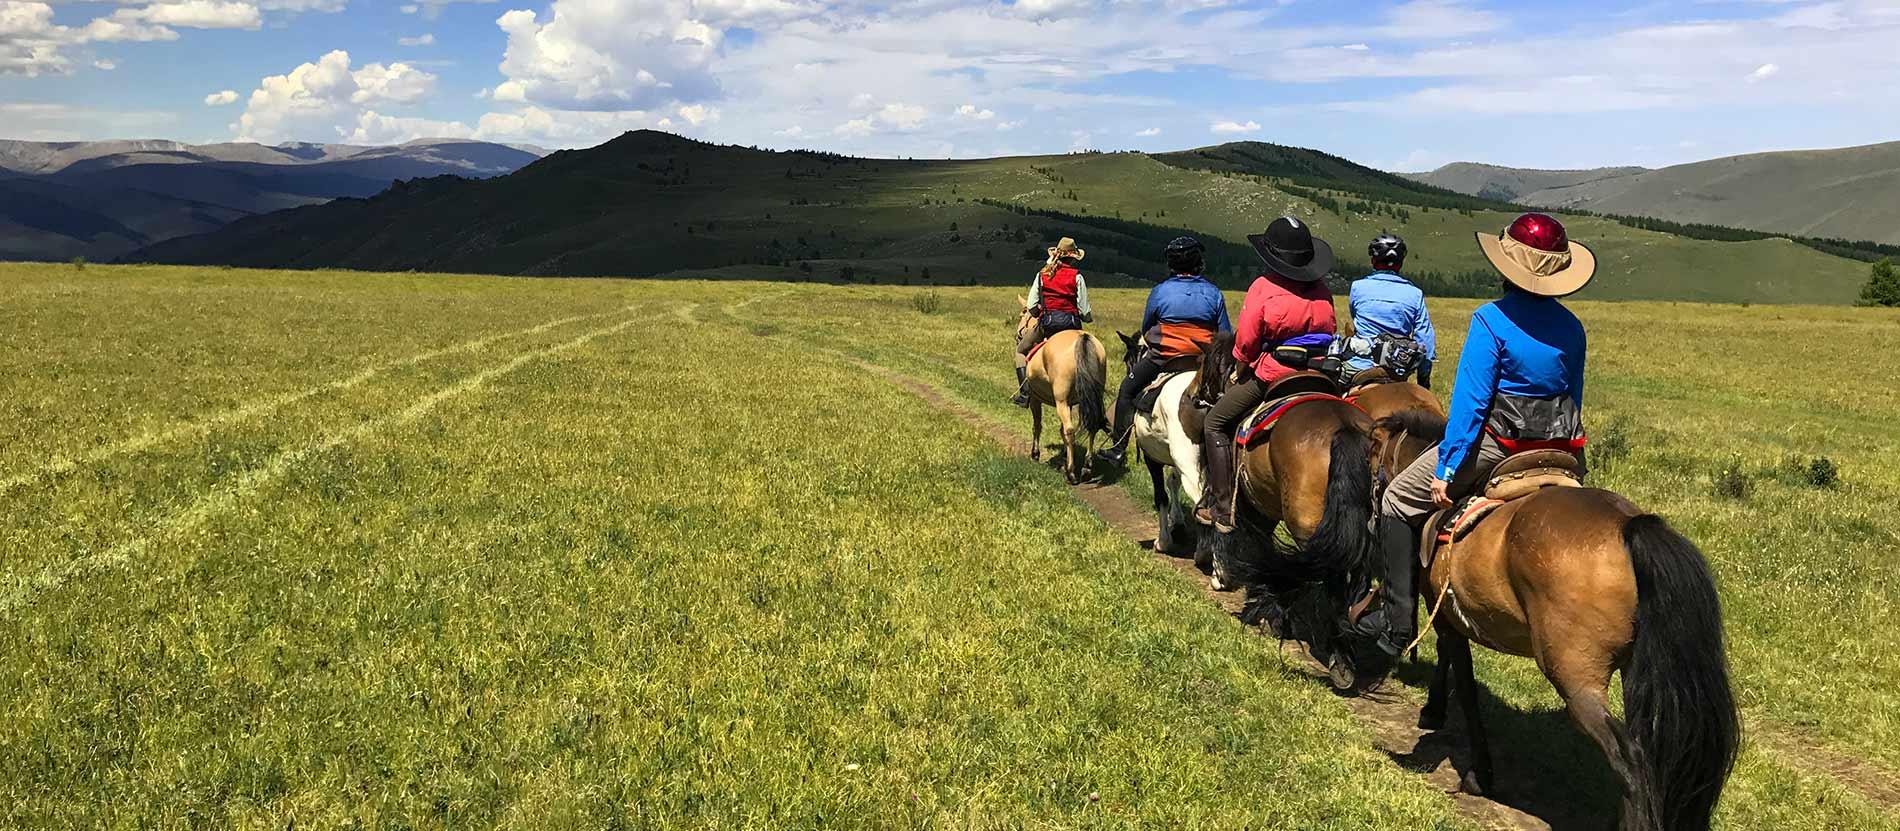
(79, 263)
(1608, 444)
(927, 302)
(1822, 472)
(1731, 480)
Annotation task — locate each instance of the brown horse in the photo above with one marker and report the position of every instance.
(1312, 475)
(1394, 397)
(1069, 371)
(1586, 584)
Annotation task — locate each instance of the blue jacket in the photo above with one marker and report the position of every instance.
(1384, 303)
(1519, 344)
(1183, 314)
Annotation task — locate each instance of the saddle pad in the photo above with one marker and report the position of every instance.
(1258, 425)
(1466, 517)
(1145, 401)
(1037, 348)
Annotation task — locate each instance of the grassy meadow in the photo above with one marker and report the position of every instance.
(331, 549)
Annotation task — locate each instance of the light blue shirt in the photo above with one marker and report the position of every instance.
(1384, 303)
(1519, 344)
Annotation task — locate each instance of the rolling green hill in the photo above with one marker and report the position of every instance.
(651, 203)
(1850, 193)
(1510, 184)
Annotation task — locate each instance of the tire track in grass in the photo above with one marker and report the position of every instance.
(61, 465)
(19, 591)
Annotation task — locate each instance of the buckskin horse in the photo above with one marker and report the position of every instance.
(1068, 370)
(1168, 434)
(1586, 584)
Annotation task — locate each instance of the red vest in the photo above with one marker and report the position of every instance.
(1058, 290)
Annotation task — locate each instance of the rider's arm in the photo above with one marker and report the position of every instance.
(1225, 324)
(1576, 369)
(1151, 313)
(1082, 299)
(1252, 330)
(1035, 293)
(1427, 337)
(1470, 396)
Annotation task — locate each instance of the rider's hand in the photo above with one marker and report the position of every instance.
(1440, 493)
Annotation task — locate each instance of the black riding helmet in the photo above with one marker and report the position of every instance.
(1186, 255)
(1387, 251)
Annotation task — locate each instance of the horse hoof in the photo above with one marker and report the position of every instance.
(1428, 720)
(1340, 671)
(1035, 455)
(1474, 784)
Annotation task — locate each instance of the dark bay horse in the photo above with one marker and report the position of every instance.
(1312, 476)
(1587, 584)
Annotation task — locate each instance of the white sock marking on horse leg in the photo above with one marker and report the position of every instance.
(17, 591)
(143, 441)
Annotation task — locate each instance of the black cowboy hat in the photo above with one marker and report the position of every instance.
(1291, 251)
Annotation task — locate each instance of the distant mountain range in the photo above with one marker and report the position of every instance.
(101, 200)
(1850, 193)
(655, 204)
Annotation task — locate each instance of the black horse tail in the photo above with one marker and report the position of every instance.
(1091, 380)
(1342, 546)
(1676, 694)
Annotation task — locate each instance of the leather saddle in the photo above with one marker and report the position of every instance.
(1518, 476)
(1145, 400)
(1368, 378)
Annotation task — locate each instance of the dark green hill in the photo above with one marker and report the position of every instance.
(651, 203)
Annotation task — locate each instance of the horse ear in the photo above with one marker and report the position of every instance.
(1127, 340)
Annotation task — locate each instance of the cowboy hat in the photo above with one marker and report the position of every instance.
(1289, 248)
(1065, 250)
(1536, 255)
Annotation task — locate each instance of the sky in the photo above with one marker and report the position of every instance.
(1397, 85)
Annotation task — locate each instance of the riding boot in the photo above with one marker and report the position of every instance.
(1398, 548)
(1219, 510)
(1022, 388)
(1119, 429)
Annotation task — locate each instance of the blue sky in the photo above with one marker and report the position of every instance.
(1400, 85)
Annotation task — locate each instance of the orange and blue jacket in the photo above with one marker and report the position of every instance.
(1183, 314)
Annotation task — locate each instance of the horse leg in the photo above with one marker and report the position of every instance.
(1035, 429)
(1432, 715)
(1164, 519)
(1066, 415)
(1456, 649)
(1584, 682)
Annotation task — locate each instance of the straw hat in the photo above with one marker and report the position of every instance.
(1065, 250)
(1537, 256)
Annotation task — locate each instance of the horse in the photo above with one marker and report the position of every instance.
(1170, 445)
(1069, 371)
(1313, 475)
(1586, 584)
(1393, 397)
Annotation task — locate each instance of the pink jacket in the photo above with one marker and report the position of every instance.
(1277, 310)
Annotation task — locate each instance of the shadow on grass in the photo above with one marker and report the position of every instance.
(1543, 765)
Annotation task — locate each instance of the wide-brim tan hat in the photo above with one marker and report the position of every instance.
(1537, 256)
(1065, 249)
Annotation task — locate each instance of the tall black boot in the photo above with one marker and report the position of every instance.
(1219, 510)
(1121, 427)
(1022, 388)
(1398, 547)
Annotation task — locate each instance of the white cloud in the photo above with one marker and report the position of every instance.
(889, 118)
(107, 65)
(971, 112)
(329, 98)
(609, 55)
(1763, 73)
(61, 122)
(1229, 127)
(793, 131)
(1151, 132)
(219, 99)
(424, 39)
(1356, 47)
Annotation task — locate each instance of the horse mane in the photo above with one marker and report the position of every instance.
(1418, 423)
(1217, 363)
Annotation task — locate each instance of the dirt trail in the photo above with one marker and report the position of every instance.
(1392, 718)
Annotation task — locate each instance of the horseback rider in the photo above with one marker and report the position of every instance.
(1288, 305)
(1058, 300)
(1386, 306)
(1183, 315)
(1519, 387)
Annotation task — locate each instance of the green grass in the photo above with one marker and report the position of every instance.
(700, 571)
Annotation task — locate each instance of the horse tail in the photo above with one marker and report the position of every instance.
(1676, 695)
(1091, 379)
(1342, 545)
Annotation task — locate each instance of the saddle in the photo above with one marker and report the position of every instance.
(1518, 476)
(1145, 401)
(1368, 378)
